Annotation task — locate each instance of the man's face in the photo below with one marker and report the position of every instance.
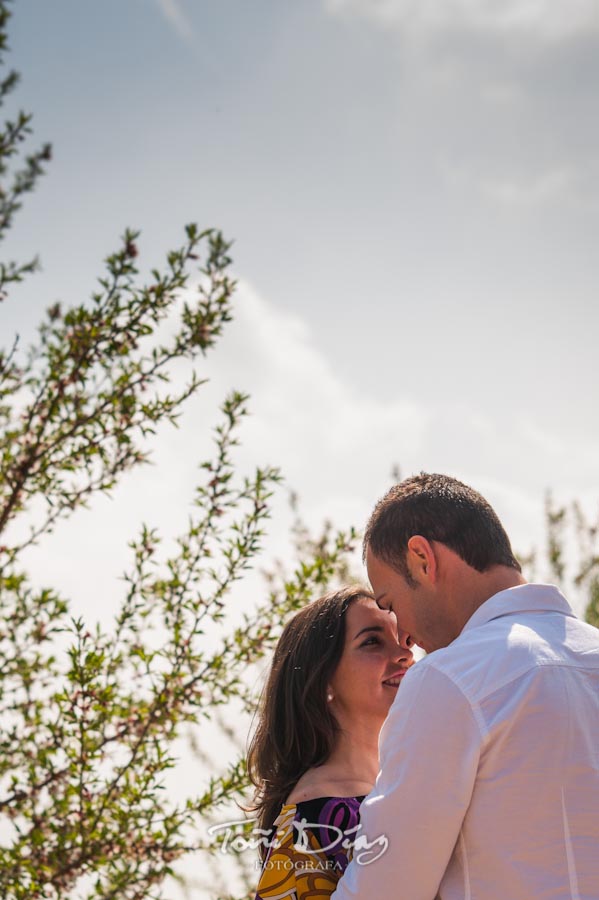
(413, 606)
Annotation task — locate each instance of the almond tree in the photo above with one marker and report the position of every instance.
(89, 717)
(573, 553)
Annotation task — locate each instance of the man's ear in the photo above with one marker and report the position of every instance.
(421, 559)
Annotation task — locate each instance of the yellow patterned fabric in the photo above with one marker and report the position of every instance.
(306, 856)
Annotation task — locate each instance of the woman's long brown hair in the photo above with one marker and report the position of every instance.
(296, 729)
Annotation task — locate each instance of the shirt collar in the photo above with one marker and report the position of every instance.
(521, 598)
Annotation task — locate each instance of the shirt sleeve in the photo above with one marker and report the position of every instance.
(410, 822)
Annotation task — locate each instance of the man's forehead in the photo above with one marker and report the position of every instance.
(371, 559)
(376, 565)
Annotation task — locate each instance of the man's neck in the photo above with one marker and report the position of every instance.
(473, 591)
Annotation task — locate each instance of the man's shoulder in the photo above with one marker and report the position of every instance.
(486, 658)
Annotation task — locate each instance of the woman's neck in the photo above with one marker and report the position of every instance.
(355, 755)
(350, 770)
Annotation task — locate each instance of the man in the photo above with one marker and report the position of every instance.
(489, 781)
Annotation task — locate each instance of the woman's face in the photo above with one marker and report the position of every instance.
(374, 660)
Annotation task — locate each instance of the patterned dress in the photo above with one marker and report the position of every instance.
(310, 849)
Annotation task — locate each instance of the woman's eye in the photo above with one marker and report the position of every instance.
(370, 641)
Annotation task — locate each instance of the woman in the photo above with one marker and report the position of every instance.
(314, 755)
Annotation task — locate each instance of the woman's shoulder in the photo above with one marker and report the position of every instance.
(316, 784)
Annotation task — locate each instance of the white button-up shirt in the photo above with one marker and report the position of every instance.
(489, 781)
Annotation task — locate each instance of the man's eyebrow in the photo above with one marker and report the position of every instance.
(369, 628)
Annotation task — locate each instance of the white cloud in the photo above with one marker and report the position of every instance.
(539, 189)
(486, 81)
(551, 20)
(331, 442)
(176, 17)
(336, 446)
(518, 191)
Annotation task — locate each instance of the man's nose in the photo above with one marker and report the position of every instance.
(405, 643)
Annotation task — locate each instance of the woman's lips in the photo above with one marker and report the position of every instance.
(394, 680)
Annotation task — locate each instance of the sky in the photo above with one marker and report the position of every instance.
(411, 188)
(412, 193)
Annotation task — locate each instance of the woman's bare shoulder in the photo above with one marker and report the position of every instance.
(319, 782)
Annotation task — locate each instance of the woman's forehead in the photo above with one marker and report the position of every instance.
(364, 612)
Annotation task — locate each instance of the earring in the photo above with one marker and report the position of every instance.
(329, 696)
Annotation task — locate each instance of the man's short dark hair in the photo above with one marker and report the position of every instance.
(443, 509)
